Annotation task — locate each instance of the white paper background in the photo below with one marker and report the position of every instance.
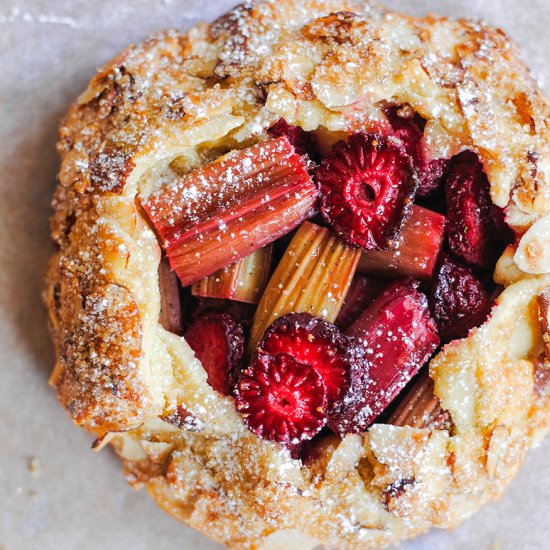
(48, 53)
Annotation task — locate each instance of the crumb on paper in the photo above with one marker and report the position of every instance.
(33, 495)
(34, 466)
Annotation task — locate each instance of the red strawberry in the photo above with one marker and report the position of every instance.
(362, 292)
(302, 141)
(218, 341)
(367, 184)
(399, 336)
(315, 342)
(281, 399)
(458, 300)
(472, 217)
(409, 126)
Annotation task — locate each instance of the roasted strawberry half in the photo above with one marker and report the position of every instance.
(303, 142)
(315, 342)
(282, 399)
(218, 340)
(475, 225)
(408, 126)
(399, 336)
(458, 300)
(367, 184)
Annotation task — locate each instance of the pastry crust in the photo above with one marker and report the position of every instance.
(179, 99)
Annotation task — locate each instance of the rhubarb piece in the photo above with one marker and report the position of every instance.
(171, 317)
(420, 408)
(415, 253)
(408, 126)
(367, 185)
(399, 336)
(301, 140)
(312, 277)
(317, 343)
(216, 215)
(281, 399)
(217, 340)
(474, 222)
(243, 281)
(458, 300)
(364, 289)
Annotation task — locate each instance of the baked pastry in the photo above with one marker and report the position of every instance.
(424, 146)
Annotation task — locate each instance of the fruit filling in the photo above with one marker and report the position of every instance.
(415, 253)
(317, 343)
(313, 276)
(474, 226)
(327, 323)
(458, 300)
(408, 126)
(420, 408)
(364, 289)
(303, 142)
(281, 399)
(367, 184)
(217, 339)
(399, 336)
(171, 316)
(223, 212)
(243, 281)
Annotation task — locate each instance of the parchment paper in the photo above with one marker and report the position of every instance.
(68, 497)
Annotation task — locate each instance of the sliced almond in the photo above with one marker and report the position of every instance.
(543, 300)
(181, 417)
(533, 253)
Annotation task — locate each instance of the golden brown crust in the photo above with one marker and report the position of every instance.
(327, 64)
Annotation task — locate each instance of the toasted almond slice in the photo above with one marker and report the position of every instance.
(542, 376)
(543, 300)
(181, 417)
(533, 252)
